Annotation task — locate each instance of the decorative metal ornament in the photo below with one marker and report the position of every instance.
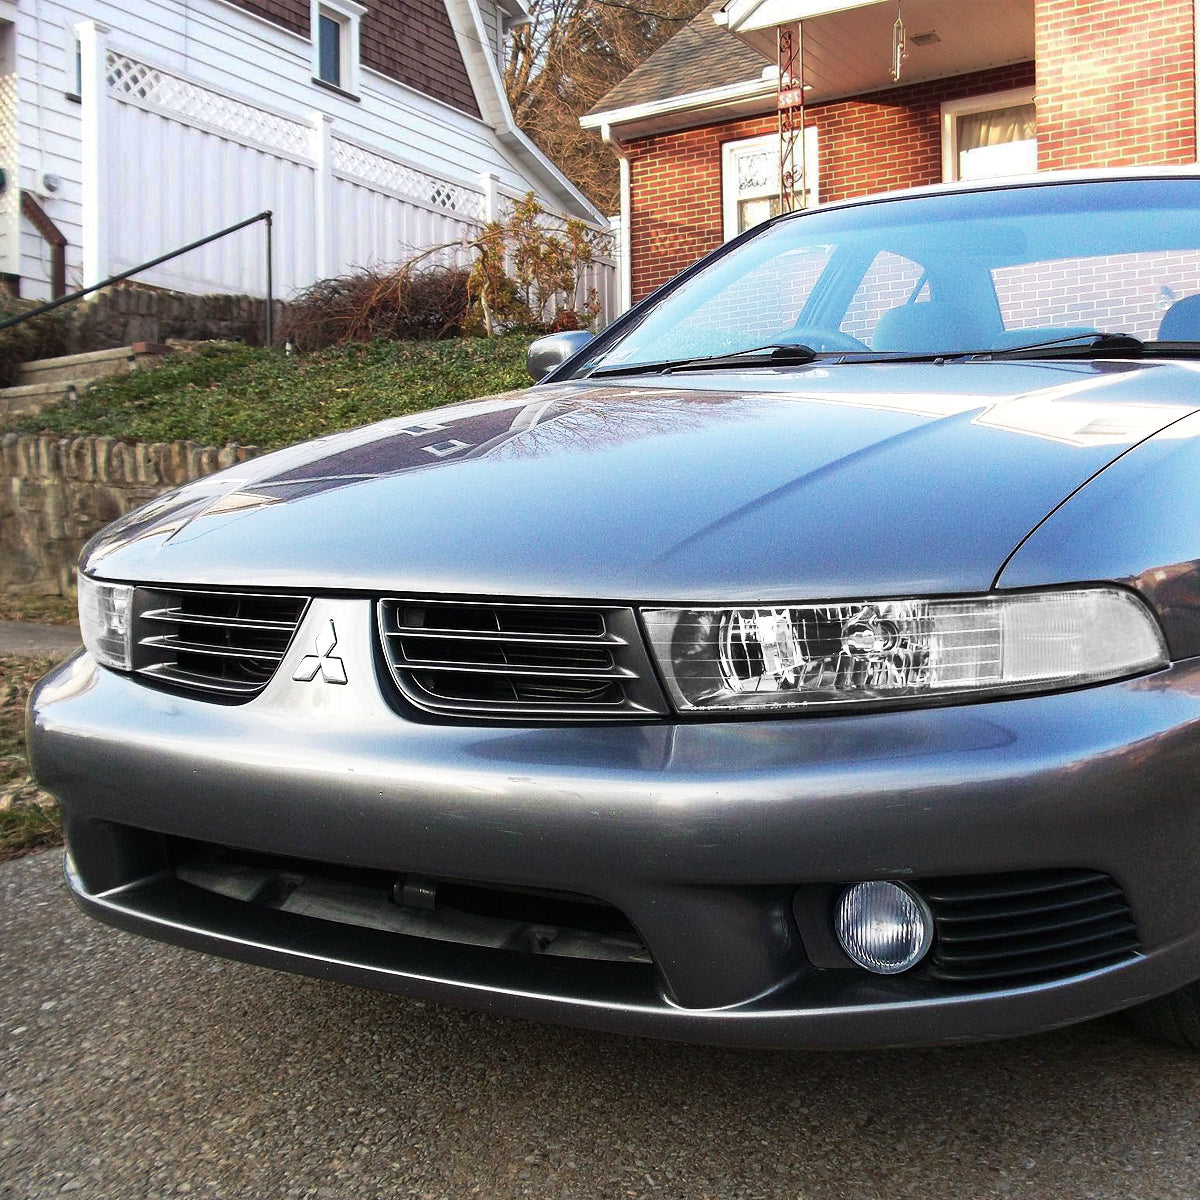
(791, 119)
(899, 45)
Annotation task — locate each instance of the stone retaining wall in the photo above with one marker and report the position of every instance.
(128, 313)
(56, 492)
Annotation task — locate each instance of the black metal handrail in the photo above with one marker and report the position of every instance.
(162, 258)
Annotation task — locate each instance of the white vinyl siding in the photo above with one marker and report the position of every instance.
(219, 45)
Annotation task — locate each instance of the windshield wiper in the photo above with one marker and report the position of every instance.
(1075, 345)
(786, 355)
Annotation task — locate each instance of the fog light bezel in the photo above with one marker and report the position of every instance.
(877, 967)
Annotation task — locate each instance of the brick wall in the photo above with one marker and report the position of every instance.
(885, 141)
(56, 492)
(1116, 82)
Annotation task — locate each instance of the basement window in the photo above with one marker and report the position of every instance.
(335, 44)
(987, 137)
(750, 180)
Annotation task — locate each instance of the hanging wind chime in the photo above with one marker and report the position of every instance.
(899, 46)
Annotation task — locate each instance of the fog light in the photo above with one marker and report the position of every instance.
(885, 927)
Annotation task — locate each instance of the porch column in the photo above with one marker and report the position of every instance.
(93, 94)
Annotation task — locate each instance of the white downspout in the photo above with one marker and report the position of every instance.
(625, 261)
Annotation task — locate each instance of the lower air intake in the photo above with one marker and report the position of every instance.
(1026, 927)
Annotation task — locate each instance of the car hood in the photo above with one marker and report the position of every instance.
(825, 482)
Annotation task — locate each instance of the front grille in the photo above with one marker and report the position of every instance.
(500, 660)
(1026, 927)
(224, 645)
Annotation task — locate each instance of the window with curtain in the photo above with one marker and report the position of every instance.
(996, 141)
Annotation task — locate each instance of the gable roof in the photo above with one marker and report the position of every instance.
(700, 57)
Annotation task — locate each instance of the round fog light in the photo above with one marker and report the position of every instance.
(885, 927)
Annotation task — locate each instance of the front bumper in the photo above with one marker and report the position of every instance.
(699, 833)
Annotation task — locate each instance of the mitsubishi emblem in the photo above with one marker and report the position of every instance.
(323, 662)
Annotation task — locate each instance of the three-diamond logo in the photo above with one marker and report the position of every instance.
(323, 662)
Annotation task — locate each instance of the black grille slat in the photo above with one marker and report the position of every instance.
(1026, 927)
(1030, 947)
(506, 659)
(983, 888)
(975, 931)
(215, 644)
(1055, 966)
(1001, 910)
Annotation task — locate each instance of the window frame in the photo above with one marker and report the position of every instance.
(348, 15)
(729, 193)
(953, 109)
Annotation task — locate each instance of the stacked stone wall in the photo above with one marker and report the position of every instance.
(122, 315)
(55, 493)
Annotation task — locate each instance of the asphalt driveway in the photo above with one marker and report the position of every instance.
(135, 1070)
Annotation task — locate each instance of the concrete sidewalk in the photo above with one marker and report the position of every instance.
(36, 640)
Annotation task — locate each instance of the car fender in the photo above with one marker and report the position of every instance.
(1136, 522)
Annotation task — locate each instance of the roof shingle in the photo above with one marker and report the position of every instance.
(700, 56)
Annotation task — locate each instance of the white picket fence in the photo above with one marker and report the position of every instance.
(167, 161)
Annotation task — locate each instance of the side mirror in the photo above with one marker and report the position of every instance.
(553, 350)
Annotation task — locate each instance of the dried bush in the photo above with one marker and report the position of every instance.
(407, 302)
(525, 275)
(39, 337)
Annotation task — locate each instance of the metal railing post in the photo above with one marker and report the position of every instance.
(270, 285)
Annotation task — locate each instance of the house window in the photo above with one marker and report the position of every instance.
(750, 180)
(335, 43)
(329, 50)
(73, 68)
(988, 136)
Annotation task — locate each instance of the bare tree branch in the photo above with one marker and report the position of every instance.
(567, 58)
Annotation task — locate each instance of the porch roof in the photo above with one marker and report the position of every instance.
(703, 73)
(700, 57)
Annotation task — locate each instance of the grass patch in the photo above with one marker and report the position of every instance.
(222, 392)
(28, 828)
(48, 610)
(25, 823)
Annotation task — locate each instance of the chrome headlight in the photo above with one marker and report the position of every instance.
(105, 610)
(825, 655)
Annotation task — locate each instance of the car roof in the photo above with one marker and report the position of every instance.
(1006, 183)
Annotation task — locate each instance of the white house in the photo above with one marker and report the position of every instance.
(132, 127)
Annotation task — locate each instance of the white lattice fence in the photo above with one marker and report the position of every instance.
(357, 164)
(387, 210)
(194, 160)
(177, 160)
(138, 83)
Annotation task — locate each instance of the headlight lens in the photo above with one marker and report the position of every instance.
(104, 621)
(825, 655)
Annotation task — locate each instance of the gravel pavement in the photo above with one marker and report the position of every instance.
(135, 1070)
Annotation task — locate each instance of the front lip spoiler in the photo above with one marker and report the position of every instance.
(624, 1000)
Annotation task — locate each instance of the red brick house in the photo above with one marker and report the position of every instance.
(986, 87)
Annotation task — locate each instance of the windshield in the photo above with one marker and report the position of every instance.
(979, 271)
